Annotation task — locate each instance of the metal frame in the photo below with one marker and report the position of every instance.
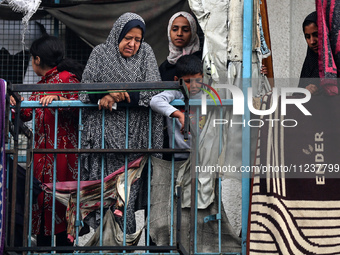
(114, 86)
(18, 126)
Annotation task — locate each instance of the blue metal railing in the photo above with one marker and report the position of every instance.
(78, 104)
(246, 75)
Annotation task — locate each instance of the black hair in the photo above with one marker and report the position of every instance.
(311, 18)
(188, 65)
(42, 28)
(51, 52)
(129, 25)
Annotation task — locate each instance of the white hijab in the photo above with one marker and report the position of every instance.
(176, 52)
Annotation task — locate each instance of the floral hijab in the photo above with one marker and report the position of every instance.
(176, 52)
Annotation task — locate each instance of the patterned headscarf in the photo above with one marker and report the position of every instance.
(106, 64)
(176, 52)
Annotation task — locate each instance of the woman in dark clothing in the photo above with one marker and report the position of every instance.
(124, 57)
(183, 40)
(310, 69)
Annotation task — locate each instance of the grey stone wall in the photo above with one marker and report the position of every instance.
(288, 44)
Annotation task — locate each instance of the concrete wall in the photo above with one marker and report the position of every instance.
(288, 44)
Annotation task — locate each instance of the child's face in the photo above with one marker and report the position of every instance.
(193, 82)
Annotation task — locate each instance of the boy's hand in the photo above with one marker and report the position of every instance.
(180, 116)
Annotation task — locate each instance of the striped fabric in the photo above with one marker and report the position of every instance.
(297, 211)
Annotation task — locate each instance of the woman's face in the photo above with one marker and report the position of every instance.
(311, 36)
(180, 32)
(130, 43)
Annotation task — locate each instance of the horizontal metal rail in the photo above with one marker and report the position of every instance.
(78, 104)
(96, 86)
(142, 151)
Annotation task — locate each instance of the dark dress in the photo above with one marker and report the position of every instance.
(168, 71)
(310, 70)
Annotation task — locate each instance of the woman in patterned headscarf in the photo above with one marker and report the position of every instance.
(124, 57)
(183, 40)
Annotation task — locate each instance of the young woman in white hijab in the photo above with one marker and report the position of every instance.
(183, 40)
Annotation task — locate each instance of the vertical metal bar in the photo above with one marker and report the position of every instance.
(126, 174)
(56, 34)
(54, 175)
(196, 176)
(78, 179)
(186, 112)
(149, 180)
(9, 147)
(27, 188)
(31, 184)
(179, 216)
(14, 174)
(7, 226)
(8, 116)
(220, 214)
(56, 22)
(194, 159)
(220, 188)
(172, 184)
(102, 182)
(246, 75)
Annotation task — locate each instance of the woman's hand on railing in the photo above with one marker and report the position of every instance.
(45, 101)
(120, 96)
(106, 103)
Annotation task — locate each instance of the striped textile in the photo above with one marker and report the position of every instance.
(2, 163)
(297, 211)
(329, 44)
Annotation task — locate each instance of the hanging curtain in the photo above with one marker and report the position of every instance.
(93, 22)
(268, 62)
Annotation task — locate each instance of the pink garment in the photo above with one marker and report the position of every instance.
(66, 192)
(328, 12)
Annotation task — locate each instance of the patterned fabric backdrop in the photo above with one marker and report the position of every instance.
(297, 210)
